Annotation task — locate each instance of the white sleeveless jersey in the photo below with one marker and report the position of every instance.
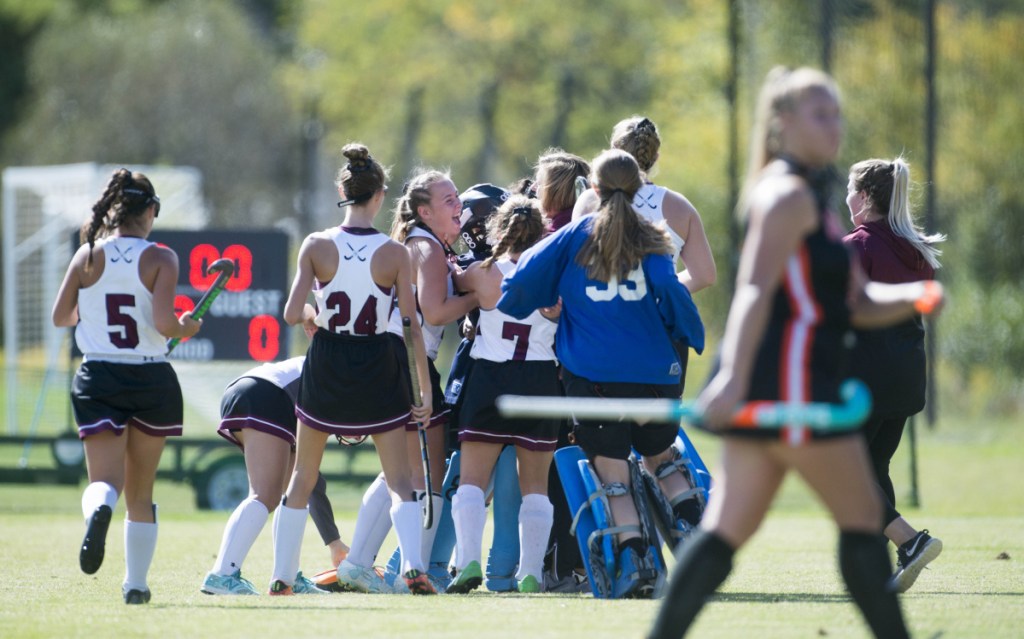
(352, 303)
(432, 335)
(116, 313)
(647, 204)
(503, 338)
(285, 375)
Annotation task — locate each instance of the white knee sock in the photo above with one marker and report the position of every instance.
(139, 546)
(408, 519)
(535, 517)
(289, 526)
(95, 495)
(427, 541)
(243, 528)
(372, 524)
(469, 514)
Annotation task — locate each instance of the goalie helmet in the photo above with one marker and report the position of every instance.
(478, 203)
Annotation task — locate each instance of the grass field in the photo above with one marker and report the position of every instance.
(785, 583)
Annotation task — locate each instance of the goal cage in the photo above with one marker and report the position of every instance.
(43, 207)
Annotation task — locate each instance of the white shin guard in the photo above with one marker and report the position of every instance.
(469, 513)
(535, 518)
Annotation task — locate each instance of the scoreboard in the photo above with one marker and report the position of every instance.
(245, 321)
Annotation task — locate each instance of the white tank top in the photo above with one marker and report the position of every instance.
(285, 375)
(116, 313)
(647, 204)
(352, 303)
(432, 335)
(503, 338)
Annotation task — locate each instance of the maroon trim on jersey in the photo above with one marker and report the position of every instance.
(229, 424)
(348, 430)
(436, 419)
(360, 230)
(522, 441)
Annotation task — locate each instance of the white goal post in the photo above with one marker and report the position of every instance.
(43, 206)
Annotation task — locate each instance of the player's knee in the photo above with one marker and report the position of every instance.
(601, 440)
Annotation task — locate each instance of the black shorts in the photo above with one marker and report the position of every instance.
(441, 410)
(767, 390)
(111, 396)
(252, 402)
(479, 420)
(613, 438)
(352, 385)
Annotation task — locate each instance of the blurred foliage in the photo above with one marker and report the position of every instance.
(484, 88)
(177, 82)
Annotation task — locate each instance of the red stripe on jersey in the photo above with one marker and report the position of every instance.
(798, 333)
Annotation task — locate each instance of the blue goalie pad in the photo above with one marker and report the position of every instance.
(590, 519)
(698, 470)
(576, 494)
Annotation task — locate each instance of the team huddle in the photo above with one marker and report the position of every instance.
(579, 282)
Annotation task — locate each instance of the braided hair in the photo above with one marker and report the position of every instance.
(127, 195)
(639, 137)
(515, 227)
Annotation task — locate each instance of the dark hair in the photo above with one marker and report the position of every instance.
(361, 177)
(127, 195)
(639, 137)
(518, 225)
(619, 238)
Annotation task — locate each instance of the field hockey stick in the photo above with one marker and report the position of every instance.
(428, 500)
(224, 268)
(757, 414)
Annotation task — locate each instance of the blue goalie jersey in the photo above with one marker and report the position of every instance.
(619, 331)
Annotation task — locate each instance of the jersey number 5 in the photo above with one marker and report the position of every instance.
(128, 336)
(633, 288)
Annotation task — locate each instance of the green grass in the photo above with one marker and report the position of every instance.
(785, 583)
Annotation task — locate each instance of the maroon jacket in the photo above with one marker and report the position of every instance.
(890, 360)
(887, 257)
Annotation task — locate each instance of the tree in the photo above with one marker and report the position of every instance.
(185, 82)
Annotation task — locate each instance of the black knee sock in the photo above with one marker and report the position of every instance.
(688, 510)
(704, 564)
(865, 566)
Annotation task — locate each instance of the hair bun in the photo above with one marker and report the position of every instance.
(355, 152)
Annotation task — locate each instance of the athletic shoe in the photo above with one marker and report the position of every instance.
(279, 588)
(134, 596)
(358, 579)
(305, 586)
(572, 583)
(328, 580)
(439, 576)
(466, 580)
(504, 583)
(529, 584)
(419, 583)
(396, 584)
(232, 584)
(912, 557)
(91, 556)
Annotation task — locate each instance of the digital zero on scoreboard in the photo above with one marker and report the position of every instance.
(245, 321)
